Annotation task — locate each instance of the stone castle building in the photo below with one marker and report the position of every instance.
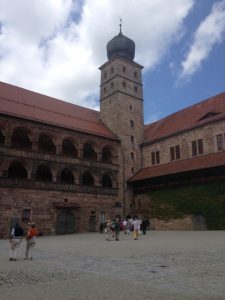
(68, 168)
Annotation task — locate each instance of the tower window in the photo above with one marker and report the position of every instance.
(105, 74)
(132, 139)
(105, 89)
(135, 88)
(132, 155)
(112, 70)
(112, 85)
(124, 69)
(135, 74)
(131, 123)
(124, 84)
(131, 108)
(132, 170)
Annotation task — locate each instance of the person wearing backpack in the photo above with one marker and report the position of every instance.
(15, 241)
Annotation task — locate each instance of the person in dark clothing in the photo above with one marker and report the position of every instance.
(101, 227)
(144, 225)
(117, 229)
(15, 241)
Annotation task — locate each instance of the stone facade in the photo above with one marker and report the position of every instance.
(208, 134)
(121, 109)
(41, 180)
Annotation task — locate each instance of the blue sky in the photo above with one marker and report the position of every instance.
(55, 48)
(165, 93)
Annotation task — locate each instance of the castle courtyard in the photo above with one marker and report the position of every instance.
(160, 265)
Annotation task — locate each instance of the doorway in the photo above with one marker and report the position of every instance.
(65, 222)
(92, 223)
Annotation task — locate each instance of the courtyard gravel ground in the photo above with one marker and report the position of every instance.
(161, 265)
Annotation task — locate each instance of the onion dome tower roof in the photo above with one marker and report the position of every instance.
(121, 46)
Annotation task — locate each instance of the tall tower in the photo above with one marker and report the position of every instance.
(121, 105)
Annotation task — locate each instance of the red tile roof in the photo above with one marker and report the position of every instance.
(191, 117)
(29, 105)
(197, 163)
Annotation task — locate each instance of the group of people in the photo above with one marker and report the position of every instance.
(16, 237)
(113, 228)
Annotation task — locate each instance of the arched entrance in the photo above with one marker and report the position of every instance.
(65, 222)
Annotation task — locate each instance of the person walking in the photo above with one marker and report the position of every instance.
(117, 229)
(136, 226)
(15, 241)
(108, 230)
(145, 224)
(31, 241)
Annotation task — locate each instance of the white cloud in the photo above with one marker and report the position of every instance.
(46, 47)
(210, 32)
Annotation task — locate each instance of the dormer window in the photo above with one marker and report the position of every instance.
(209, 115)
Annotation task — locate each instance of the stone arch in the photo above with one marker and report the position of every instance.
(43, 173)
(20, 138)
(89, 151)
(46, 144)
(67, 176)
(17, 170)
(107, 181)
(107, 154)
(68, 148)
(88, 179)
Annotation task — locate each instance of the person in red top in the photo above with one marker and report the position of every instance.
(31, 241)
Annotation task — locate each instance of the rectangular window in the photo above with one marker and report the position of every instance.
(194, 148)
(220, 142)
(175, 153)
(102, 217)
(155, 156)
(132, 139)
(26, 215)
(172, 154)
(200, 146)
(197, 147)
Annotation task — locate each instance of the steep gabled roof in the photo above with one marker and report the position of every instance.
(180, 166)
(22, 103)
(196, 115)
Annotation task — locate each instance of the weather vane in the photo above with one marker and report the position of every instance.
(121, 22)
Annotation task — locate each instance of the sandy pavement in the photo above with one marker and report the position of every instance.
(161, 265)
